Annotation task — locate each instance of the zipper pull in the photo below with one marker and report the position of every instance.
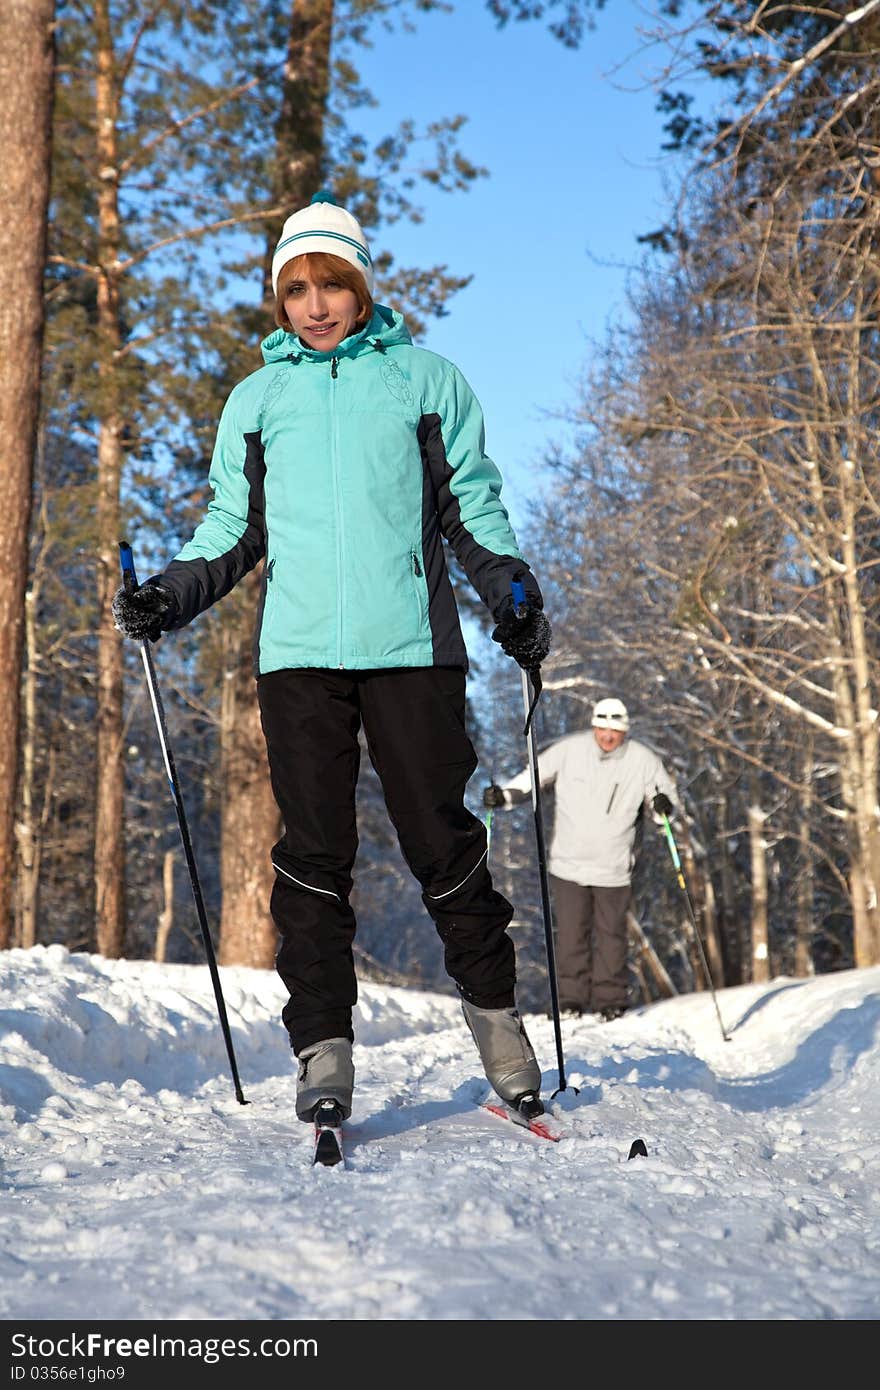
(334, 364)
(417, 569)
(269, 569)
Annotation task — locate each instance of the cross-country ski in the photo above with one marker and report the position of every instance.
(543, 1125)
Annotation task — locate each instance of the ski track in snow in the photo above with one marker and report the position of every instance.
(134, 1186)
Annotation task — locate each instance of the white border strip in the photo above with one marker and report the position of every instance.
(308, 886)
(435, 897)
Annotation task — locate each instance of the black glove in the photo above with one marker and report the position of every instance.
(493, 796)
(662, 805)
(144, 613)
(526, 639)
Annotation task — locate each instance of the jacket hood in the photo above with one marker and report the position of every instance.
(385, 329)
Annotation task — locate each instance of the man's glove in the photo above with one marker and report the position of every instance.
(144, 613)
(526, 639)
(494, 796)
(662, 805)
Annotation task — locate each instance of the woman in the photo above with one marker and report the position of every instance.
(344, 461)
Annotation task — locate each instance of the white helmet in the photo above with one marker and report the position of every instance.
(610, 714)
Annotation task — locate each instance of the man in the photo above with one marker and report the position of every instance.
(603, 780)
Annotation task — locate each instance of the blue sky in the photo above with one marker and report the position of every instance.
(576, 173)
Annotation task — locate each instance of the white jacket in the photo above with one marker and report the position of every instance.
(598, 798)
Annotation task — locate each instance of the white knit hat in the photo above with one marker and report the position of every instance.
(610, 714)
(323, 226)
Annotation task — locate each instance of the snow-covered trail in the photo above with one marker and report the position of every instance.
(135, 1187)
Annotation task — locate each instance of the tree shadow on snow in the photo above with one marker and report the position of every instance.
(762, 1003)
(823, 1058)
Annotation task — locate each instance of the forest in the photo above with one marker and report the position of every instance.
(709, 540)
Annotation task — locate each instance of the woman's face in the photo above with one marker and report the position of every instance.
(321, 312)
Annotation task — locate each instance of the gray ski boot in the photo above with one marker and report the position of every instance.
(326, 1072)
(505, 1051)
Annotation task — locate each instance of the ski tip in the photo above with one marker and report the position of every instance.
(637, 1149)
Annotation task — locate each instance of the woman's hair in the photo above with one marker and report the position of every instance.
(323, 263)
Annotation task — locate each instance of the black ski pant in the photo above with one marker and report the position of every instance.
(414, 724)
(591, 944)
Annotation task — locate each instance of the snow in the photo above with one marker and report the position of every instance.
(135, 1186)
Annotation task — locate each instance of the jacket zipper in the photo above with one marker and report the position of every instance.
(611, 798)
(340, 537)
(268, 598)
(417, 569)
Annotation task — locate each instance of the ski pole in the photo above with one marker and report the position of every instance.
(673, 850)
(129, 580)
(520, 608)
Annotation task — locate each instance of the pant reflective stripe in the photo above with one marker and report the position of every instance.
(308, 886)
(437, 896)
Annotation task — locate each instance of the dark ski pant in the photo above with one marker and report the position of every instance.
(414, 723)
(591, 944)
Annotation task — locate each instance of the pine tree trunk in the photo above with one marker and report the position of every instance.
(851, 681)
(166, 916)
(863, 755)
(109, 805)
(734, 931)
(26, 77)
(250, 822)
(249, 816)
(30, 831)
(647, 953)
(866, 946)
(760, 936)
(701, 892)
(803, 952)
(300, 143)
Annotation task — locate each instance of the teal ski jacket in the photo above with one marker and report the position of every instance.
(346, 470)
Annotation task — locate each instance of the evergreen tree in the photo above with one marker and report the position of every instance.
(26, 77)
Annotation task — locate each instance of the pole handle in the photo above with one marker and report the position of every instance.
(521, 610)
(673, 848)
(126, 560)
